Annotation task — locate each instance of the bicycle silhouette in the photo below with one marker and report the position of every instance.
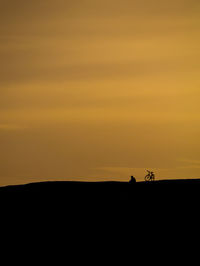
(150, 176)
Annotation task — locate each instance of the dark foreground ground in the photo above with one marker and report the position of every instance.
(103, 194)
(71, 207)
(95, 217)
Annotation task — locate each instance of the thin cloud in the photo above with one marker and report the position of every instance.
(190, 161)
(11, 127)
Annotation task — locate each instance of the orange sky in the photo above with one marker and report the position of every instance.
(99, 90)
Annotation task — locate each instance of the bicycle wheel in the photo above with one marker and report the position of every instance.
(147, 178)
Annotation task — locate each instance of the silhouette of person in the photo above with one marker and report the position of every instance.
(132, 180)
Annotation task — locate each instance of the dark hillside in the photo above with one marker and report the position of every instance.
(105, 193)
(76, 203)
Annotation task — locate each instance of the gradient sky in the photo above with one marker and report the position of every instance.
(99, 90)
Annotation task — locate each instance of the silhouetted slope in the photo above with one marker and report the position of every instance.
(69, 192)
(72, 203)
(105, 192)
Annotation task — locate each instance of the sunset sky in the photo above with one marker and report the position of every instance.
(99, 89)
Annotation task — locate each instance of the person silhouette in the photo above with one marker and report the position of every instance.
(132, 180)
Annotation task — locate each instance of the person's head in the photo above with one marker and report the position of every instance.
(133, 180)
